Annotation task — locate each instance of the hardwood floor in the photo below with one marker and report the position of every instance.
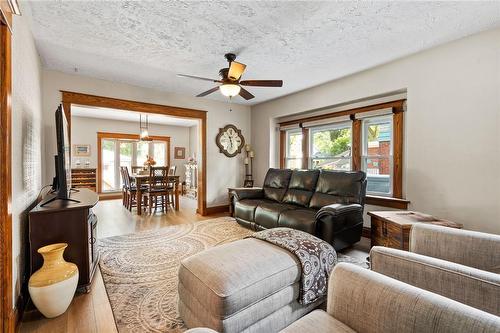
(92, 312)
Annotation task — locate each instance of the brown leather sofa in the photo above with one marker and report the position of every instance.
(328, 204)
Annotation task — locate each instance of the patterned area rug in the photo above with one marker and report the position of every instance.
(140, 270)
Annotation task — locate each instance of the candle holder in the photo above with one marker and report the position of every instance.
(248, 166)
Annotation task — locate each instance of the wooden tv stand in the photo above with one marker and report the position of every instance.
(67, 222)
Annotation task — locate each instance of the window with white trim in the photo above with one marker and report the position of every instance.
(330, 147)
(376, 156)
(293, 156)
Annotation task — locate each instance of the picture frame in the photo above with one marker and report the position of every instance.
(179, 153)
(81, 150)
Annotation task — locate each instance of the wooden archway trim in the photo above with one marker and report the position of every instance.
(69, 98)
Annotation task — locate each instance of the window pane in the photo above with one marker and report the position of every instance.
(142, 152)
(108, 165)
(379, 139)
(294, 145)
(378, 172)
(331, 148)
(125, 156)
(293, 163)
(159, 153)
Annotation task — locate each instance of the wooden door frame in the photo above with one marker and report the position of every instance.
(128, 136)
(69, 98)
(7, 311)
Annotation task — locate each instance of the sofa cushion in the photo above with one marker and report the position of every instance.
(231, 277)
(301, 187)
(245, 209)
(300, 219)
(339, 187)
(268, 213)
(276, 183)
(318, 321)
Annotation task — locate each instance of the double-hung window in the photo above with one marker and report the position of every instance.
(293, 156)
(330, 147)
(376, 158)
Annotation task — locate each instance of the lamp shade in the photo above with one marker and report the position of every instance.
(229, 89)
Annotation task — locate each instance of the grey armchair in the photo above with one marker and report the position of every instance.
(459, 264)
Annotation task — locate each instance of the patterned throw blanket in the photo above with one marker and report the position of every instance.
(316, 258)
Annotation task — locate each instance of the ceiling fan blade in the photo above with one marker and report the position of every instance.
(262, 83)
(235, 70)
(246, 94)
(197, 78)
(208, 92)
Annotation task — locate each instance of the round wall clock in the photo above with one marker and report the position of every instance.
(230, 140)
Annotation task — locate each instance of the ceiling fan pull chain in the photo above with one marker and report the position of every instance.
(230, 100)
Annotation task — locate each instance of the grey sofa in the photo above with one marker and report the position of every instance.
(327, 204)
(360, 300)
(459, 264)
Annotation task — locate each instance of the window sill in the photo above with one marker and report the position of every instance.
(387, 202)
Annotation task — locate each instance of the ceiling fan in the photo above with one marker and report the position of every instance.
(230, 80)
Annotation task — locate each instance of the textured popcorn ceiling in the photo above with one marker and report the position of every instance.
(145, 43)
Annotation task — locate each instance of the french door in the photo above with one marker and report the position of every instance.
(116, 152)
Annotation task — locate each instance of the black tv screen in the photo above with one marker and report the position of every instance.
(63, 164)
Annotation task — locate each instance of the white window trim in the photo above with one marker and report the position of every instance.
(364, 150)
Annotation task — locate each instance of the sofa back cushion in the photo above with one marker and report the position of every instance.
(301, 187)
(339, 187)
(276, 183)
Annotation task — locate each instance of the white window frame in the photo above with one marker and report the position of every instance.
(288, 133)
(366, 122)
(332, 126)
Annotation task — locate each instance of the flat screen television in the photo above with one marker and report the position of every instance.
(62, 181)
(63, 161)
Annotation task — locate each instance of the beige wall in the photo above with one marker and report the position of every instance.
(452, 142)
(222, 171)
(27, 159)
(84, 131)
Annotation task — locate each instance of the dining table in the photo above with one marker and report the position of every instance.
(141, 179)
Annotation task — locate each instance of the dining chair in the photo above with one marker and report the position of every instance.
(131, 190)
(123, 169)
(170, 186)
(157, 188)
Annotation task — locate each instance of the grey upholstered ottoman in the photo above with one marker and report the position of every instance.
(244, 286)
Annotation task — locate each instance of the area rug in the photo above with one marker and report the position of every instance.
(140, 271)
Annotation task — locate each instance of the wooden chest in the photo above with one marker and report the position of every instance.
(392, 228)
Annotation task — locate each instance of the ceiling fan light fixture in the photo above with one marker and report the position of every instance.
(229, 89)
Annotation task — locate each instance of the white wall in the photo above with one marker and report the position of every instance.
(27, 141)
(452, 148)
(193, 142)
(222, 172)
(84, 131)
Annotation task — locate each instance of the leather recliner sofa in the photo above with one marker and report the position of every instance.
(327, 204)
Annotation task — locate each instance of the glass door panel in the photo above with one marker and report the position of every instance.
(108, 164)
(159, 153)
(142, 152)
(126, 150)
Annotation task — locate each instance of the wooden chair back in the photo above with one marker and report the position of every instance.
(158, 178)
(125, 177)
(136, 169)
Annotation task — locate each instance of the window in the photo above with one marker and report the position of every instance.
(376, 159)
(368, 138)
(330, 147)
(293, 157)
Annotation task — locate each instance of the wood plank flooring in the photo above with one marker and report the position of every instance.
(92, 312)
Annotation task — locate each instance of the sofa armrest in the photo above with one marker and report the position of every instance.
(470, 248)
(367, 301)
(471, 286)
(335, 210)
(246, 193)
